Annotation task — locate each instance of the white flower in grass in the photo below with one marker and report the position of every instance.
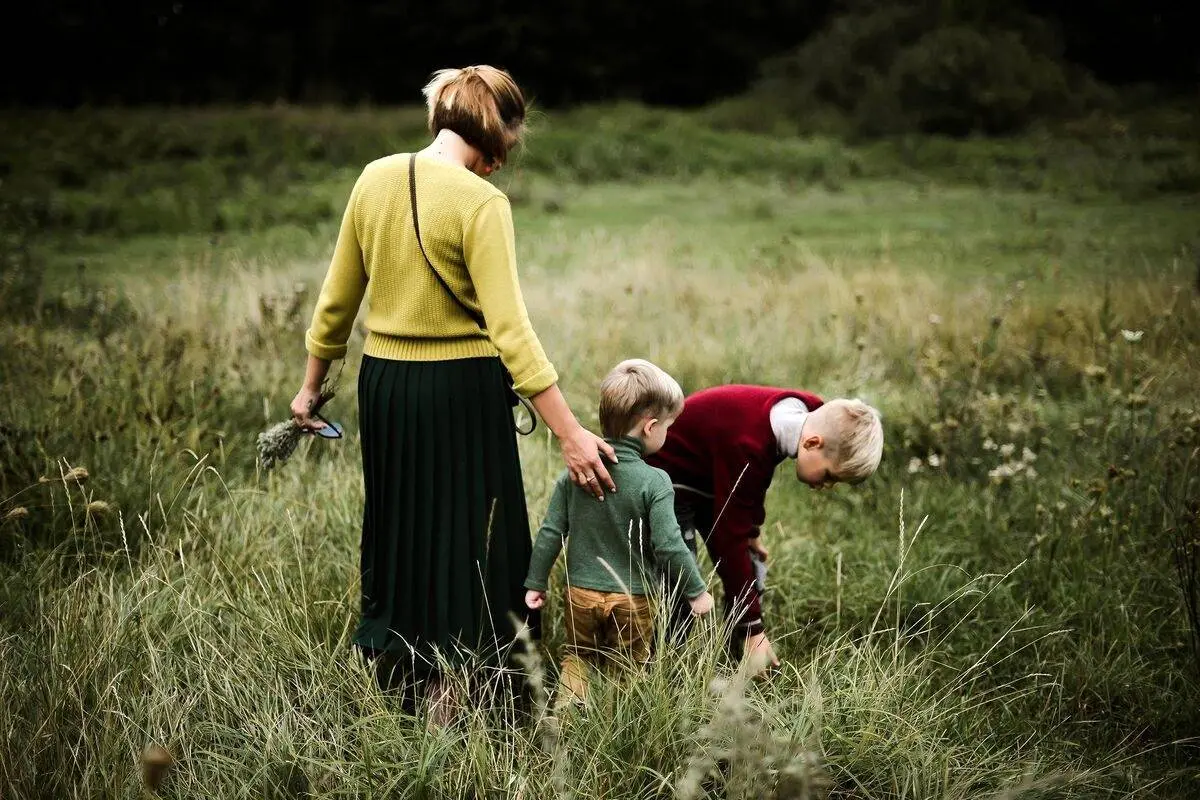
(935, 319)
(1132, 336)
(914, 465)
(1001, 472)
(1028, 455)
(1007, 450)
(988, 444)
(934, 460)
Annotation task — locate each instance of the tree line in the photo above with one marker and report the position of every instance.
(685, 52)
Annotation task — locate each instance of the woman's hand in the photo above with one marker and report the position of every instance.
(581, 450)
(308, 399)
(303, 406)
(534, 599)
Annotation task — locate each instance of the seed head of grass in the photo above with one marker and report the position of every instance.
(156, 763)
(98, 508)
(76, 475)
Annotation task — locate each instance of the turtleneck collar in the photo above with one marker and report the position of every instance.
(627, 447)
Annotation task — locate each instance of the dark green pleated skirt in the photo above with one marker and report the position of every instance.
(445, 541)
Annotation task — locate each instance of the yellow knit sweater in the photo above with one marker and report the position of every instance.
(467, 230)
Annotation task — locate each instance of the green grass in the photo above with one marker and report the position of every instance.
(946, 631)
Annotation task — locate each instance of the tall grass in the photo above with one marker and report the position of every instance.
(996, 613)
(119, 173)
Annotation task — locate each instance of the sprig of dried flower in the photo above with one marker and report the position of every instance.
(277, 443)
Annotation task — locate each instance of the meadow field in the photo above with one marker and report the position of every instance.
(1008, 609)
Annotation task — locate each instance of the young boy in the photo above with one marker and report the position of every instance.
(721, 454)
(616, 548)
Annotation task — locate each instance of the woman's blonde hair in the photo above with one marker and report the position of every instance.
(481, 104)
(635, 389)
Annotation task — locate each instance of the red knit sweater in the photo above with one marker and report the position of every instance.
(723, 445)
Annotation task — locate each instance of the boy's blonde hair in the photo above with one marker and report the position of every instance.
(481, 104)
(854, 434)
(634, 389)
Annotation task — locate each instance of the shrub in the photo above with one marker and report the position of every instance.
(958, 81)
(922, 66)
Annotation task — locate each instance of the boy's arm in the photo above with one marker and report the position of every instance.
(550, 537)
(667, 540)
(739, 494)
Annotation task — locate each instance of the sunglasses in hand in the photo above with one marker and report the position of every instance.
(332, 430)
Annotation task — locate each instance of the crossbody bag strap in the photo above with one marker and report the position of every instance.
(412, 202)
(477, 317)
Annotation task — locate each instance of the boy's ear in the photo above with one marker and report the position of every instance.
(814, 441)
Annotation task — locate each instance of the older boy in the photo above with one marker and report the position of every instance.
(614, 547)
(721, 454)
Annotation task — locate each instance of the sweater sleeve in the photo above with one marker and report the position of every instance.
(490, 251)
(342, 292)
(550, 538)
(739, 495)
(667, 541)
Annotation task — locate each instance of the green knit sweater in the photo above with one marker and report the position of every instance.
(633, 532)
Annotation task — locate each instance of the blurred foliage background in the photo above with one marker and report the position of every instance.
(1006, 60)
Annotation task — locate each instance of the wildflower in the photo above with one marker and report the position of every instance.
(1028, 455)
(934, 460)
(935, 319)
(1001, 472)
(1030, 472)
(76, 475)
(1132, 336)
(1094, 371)
(988, 444)
(914, 465)
(1137, 400)
(1007, 449)
(16, 513)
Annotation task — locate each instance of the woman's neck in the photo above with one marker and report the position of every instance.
(448, 146)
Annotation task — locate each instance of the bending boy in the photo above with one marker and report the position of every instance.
(721, 454)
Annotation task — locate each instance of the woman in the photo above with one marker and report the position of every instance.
(445, 539)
